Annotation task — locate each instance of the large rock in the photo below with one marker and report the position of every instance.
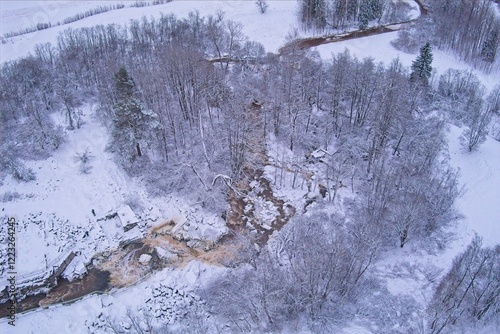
(145, 258)
(127, 217)
(203, 227)
(165, 254)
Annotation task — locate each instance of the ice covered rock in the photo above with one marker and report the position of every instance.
(204, 228)
(165, 254)
(80, 269)
(130, 236)
(145, 258)
(179, 222)
(127, 217)
(75, 269)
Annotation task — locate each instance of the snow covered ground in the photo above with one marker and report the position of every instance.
(62, 194)
(56, 211)
(414, 272)
(380, 49)
(60, 201)
(270, 28)
(17, 15)
(480, 177)
(94, 313)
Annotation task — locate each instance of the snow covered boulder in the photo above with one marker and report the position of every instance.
(165, 254)
(200, 229)
(127, 217)
(76, 269)
(178, 222)
(145, 258)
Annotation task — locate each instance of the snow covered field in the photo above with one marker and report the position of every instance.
(380, 49)
(62, 194)
(17, 15)
(269, 29)
(480, 177)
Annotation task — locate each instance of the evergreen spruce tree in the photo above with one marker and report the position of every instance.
(421, 69)
(376, 9)
(490, 45)
(313, 13)
(352, 10)
(124, 85)
(133, 125)
(364, 17)
(369, 10)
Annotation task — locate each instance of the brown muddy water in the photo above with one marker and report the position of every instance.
(65, 291)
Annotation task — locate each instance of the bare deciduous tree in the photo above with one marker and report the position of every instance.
(470, 292)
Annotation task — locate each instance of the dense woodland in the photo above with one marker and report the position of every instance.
(183, 98)
(326, 15)
(471, 29)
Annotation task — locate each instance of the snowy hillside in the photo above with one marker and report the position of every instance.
(270, 29)
(161, 248)
(17, 15)
(379, 47)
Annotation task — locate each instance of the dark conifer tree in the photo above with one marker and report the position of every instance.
(313, 13)
(133, 124)
(369, 10)
(364, 16)
(490, 45)
(124, 84)
(421, 69)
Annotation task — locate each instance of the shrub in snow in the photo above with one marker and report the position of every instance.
(262, 5)
(84, 158)
(478, 120)
(20, 172)
(133, 322)
(56, 137)
(469, 294)
(410, 38)
(85, 168)
(10, 196)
